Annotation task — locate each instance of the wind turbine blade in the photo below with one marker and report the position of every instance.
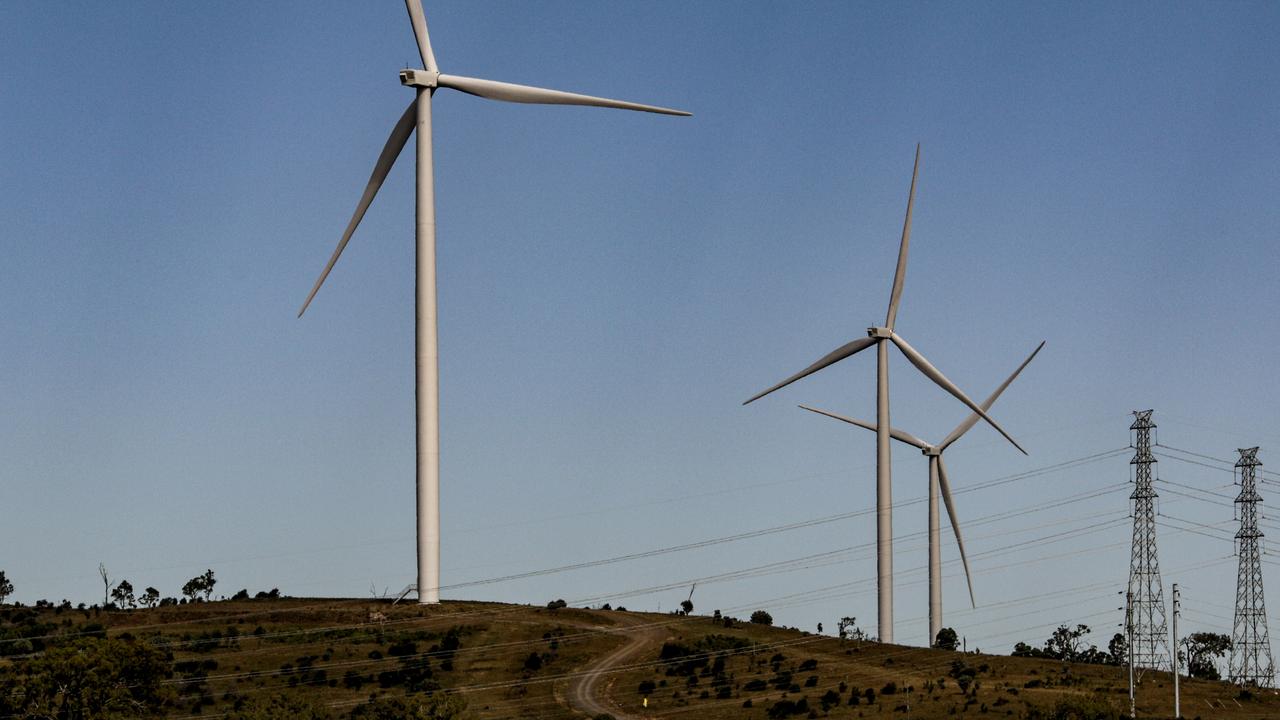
(945, 487)
(894, 433)
(900, 275)
(935, 375)
(834, 356)
(399, 136)
(509, 92)
(969, 422)
(419, 21)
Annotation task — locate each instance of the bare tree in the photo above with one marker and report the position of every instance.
(106, 584)
(6, 587)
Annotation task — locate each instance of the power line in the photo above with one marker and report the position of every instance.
(775, 529)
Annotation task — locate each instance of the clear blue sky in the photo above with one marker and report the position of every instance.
(173, 176)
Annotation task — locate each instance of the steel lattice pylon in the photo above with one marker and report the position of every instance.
(1251, 662)
(1150, 634)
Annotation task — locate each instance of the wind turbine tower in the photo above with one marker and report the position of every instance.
(1150, 633)
(882, 336)
(424, 82)
(1251, 662)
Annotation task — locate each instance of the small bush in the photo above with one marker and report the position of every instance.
(402, 648)
(533, 663)
(787, 708)
(353, 680)
(760, 617)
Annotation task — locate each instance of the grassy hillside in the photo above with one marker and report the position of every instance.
(309, 658)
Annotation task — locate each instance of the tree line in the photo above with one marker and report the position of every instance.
(1198, 653)
(123, 596)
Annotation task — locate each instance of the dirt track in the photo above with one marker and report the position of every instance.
(589, 695)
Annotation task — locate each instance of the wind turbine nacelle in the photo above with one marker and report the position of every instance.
(420, 78)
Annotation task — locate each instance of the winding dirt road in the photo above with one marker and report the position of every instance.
(587, 693)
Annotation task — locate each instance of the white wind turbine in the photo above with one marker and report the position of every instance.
(425, 81)
(878, 336)
(938, 481)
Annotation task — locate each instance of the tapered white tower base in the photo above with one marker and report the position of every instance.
(427, 364)
(935, 554)
(884, 498)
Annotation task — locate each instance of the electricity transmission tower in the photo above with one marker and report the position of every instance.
(1150, 634)
(1251, 662)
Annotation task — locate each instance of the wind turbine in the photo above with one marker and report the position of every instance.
(424, 82)
(881, 337)
(938, 480)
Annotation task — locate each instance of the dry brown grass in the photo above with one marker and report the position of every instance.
(330, 650)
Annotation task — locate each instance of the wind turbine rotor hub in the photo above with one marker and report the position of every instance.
(420, 78)
(880, 333)
(931, 451)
